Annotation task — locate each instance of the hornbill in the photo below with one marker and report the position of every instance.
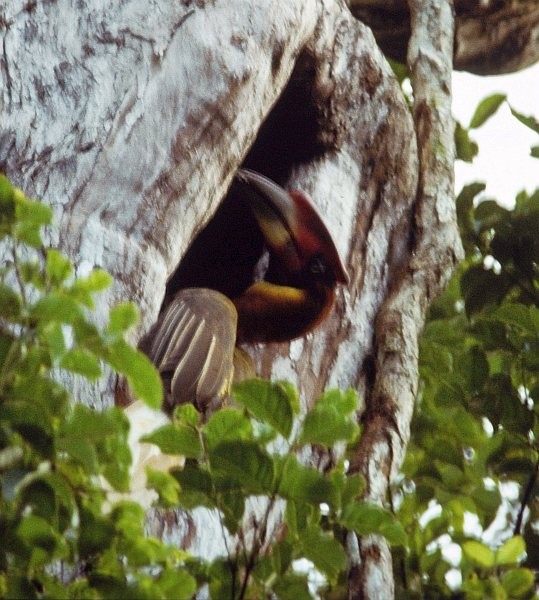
(264, 270)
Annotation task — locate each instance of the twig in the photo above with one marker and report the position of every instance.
(526, 497)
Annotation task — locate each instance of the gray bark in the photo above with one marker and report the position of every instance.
(130, 120)
(436, 250)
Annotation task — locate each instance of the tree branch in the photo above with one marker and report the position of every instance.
(492, 37)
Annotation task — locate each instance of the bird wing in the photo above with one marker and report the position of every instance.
(192, 346)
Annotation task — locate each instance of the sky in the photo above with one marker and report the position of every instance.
(504, 162)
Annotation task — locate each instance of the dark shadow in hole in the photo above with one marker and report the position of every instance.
(225, 254)
(290, 134)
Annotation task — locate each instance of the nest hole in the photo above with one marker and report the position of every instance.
(293, 133)
(222, 255)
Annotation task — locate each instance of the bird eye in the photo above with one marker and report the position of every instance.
(318, 265)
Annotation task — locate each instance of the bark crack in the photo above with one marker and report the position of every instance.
(6, 68)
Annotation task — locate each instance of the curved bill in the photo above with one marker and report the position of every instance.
(290, 224)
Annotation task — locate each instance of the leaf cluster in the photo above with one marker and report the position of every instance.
(467, 148)
(476, 425)
(251, 451)
(58, 538)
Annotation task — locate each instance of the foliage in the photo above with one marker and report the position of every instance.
(58, 541)
(477, 425)
(466, 148)
(250, 451)
(61, 537)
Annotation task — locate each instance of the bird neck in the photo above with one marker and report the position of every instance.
(274, 313)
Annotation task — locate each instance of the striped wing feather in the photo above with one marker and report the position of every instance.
(192, 346)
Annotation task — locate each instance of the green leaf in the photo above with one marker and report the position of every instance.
(186, 414)
(98, 442)
(232, 504)
(88, 336)
(486, 500)
(354, 487)
(27, 416)
(394, 533)
(331, 420)
(470, 369)
(57, 308)
(534, 151)
(481, 287)
(62, 490)
(305, 484)
(30, 272)
(365, 518)
(518, 582)
(165, 485)
(227, 424)
(7, 201)
(270, 402)
(490, 214)
(465, 205)
(451, 475)
(36, 531)
(292, 587)
(19, 587)
(502, 405)
(486, 108)
(38, 498)
(466, 148)
(121, 318)
(57, 267)
(97, 281)
(511, 551)
(519, 315)
(196, 486)
(221, 580)
(81, 361)
(178, 584)
(141, 375)
(54, 334)
(10, 302)
(282, 555)
(128, 518)
(479, 554)
(10, 354)
(96, 533)
(324, 551)
(31, 216)
(529, 121)
(83, 288)
(176, 439)
(115, 455)
(80, 451)
(31, 210)
(244, 463)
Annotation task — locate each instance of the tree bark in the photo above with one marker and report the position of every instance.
(130, 121)
(436, 249)
(492, 37)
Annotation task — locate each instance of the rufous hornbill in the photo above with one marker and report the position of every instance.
(264, 270)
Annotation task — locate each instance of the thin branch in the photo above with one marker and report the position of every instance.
(526, 497)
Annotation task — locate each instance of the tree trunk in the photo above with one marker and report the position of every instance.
(131, 119)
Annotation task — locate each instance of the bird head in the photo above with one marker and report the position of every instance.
(295, 234)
